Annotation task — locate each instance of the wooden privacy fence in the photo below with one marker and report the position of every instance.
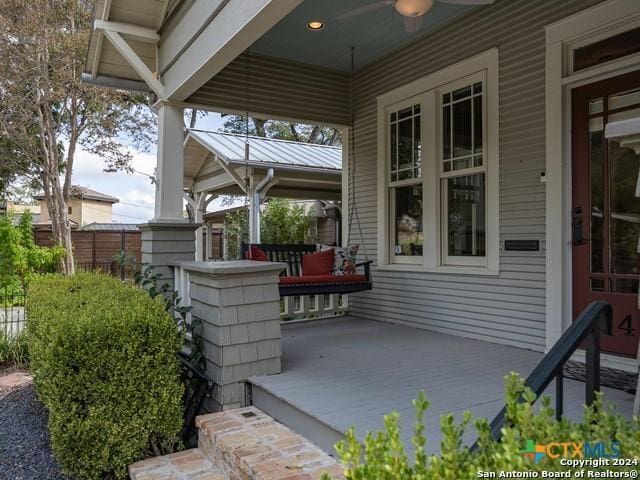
(96, 249)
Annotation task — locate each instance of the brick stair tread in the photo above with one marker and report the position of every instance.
(187, 465)
(249, 444)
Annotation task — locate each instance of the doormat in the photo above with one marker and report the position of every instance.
(609, 377)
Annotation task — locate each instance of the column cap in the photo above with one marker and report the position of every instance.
(232, 267)
(169, 225)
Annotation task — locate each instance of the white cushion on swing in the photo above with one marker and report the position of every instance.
(344, 262)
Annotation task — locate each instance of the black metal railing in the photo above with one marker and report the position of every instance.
(12, 312)
(594, 320)
(197, 387)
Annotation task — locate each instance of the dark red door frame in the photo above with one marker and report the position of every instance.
(623, 304)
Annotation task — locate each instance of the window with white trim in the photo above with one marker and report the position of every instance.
(462, 172)
(405, 181)
(438, 162)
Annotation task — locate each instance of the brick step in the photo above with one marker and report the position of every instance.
(247, 444)
(187, 465)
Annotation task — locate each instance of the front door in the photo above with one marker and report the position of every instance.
(606, 206)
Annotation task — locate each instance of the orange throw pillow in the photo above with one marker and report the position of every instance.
(319, 263)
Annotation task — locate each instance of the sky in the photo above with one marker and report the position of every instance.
(135, 191)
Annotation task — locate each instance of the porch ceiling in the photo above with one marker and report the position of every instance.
(372, 34)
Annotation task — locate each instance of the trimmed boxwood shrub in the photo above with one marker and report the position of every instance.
(103, 356)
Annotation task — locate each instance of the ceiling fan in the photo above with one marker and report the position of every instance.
(412, 10)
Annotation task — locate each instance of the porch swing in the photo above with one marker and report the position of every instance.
(294, 281)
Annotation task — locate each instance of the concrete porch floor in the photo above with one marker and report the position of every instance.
(351, 371)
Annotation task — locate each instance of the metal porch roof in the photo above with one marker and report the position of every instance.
(270, 152)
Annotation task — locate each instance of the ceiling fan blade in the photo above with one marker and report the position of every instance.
(469, 2)
(365, 9)
(413, 24)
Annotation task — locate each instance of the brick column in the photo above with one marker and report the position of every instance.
(164, 243)
(239, 306)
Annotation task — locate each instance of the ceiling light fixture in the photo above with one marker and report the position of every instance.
(413, 8)
(315, 25)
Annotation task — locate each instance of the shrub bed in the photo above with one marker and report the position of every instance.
(103, 356)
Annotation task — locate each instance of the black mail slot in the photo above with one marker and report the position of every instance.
(522, 245)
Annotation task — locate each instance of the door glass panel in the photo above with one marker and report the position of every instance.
(595, 106)
(624, 285)
(624, 167)
(597, 194)
(597, 284)
(624, 115)
(624, 99)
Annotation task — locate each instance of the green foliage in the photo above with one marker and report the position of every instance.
(383, 456)
(281, 130)
(104, 359)
(284, 222)
(20, 257)
(191, 328)
(13, 349)
(281, 221)
(236, 232)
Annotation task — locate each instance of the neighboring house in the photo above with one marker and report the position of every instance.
(489, 169)
(85, 206)
(9, 206)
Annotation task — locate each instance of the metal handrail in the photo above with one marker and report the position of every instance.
(593, 320)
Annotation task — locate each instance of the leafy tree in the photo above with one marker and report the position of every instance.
(281, 221)
(47, 113)
(236, 232)
(284, 222)
(283, 130)
(20, 257)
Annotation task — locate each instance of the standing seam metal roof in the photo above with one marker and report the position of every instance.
(230, 148)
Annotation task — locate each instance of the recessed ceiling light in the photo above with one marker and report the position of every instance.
(315, 25)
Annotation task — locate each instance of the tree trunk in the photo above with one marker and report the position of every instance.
(294, 132)
(334, 137)
(260, 127)
(313, 136)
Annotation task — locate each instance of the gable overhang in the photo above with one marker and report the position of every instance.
(171, 47)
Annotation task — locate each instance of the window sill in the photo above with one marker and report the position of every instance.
(446, 269)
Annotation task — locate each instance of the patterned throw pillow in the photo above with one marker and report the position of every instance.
(344, 262)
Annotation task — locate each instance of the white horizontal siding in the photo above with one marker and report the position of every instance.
(278, 88)
(508, 308)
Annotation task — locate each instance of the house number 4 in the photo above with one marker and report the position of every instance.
(625, 325)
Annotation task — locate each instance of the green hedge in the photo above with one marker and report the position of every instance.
(103, 355)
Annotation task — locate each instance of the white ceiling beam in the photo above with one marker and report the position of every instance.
(135, 62)
(233, 174)
(215, 183)
(195, 52)
(143, 34)
(106, 9)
